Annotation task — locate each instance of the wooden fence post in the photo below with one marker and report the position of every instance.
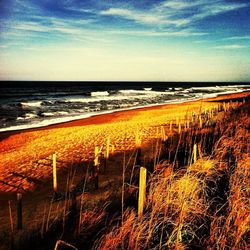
(19, 211)
(107, 148)
(195, 153)
(157, 132)
(163, 134)
(200, 121)
(11, 217)
(96, 168)
(96, 160)
(54, 173)
(106, 156)
(142, 191)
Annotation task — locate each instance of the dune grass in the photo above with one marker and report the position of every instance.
(205, 206)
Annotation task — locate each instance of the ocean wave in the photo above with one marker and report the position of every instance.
(27, 116)
(118, 97)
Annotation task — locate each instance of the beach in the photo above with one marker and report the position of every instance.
(28, 153)
(164, 136)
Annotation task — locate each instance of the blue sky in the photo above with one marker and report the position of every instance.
(151, 40)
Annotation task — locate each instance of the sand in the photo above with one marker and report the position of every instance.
(28, 153)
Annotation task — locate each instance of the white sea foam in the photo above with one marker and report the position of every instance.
(31, 104)
(26, 117)
(100, 93)
(20, 118)
(48, 114)
(121, 95)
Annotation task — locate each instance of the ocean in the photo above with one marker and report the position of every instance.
(36, 104)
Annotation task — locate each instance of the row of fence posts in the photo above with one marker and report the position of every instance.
(19, 198)
(143, 170)
(96, 164)
(142, 178)
(208, 114)
(141, 199)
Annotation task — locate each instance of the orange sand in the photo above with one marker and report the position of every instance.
(29, 152)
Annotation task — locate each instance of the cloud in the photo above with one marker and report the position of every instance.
(153, 33)
(86, 23)
(230, 46)
(175, 12)
(215, 8)
(31, 26)
(237, 38)
(141, 17)
(178, 4)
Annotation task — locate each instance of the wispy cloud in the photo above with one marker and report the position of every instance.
(166, 13)
(31, 26)
(230, 46)
(153, 33)
(237, 38)
(142, 17)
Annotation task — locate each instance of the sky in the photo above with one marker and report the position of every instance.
(132, 40)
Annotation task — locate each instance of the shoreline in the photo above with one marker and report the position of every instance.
(94, 117)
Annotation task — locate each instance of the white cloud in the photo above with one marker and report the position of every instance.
(230, 46)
